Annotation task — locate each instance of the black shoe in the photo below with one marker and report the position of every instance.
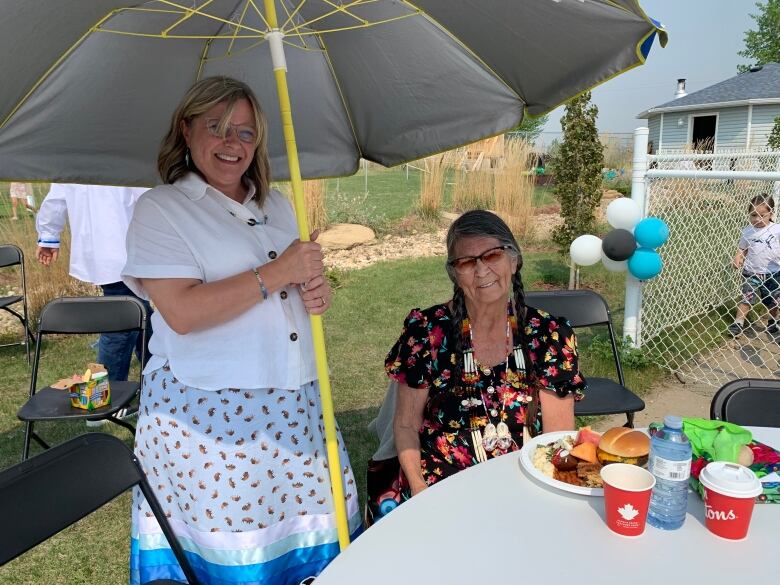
(771, 327)
(735, 329)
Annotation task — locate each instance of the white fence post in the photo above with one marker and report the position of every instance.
(633, 303)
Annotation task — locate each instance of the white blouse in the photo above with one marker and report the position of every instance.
(186, 230)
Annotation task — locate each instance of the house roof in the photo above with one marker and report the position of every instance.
(757, 87)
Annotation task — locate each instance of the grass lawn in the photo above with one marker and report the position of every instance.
(389, 196)
(366, 318)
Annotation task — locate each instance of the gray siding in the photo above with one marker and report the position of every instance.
(675, 136)
(654, 125)
(763, 120)
(732, 128)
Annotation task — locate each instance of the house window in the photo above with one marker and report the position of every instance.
(703, 134)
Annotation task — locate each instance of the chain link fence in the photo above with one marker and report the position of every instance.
(686, 312)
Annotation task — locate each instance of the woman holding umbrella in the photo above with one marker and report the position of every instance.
(229, 430)
(476, 373)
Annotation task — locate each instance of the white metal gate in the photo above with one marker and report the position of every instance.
(681, 317)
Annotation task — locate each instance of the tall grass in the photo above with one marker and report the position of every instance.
(514, 188)
(473, 189)
(43, 283)
(432, 187)
(314, 195)
(617, 152)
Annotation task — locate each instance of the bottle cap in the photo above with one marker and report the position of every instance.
(673, 421)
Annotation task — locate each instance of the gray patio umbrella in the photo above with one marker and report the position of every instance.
(89, 85)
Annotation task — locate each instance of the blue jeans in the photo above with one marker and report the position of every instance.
(115, 350)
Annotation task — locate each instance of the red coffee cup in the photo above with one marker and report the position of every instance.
(627, 490)
(730, 492)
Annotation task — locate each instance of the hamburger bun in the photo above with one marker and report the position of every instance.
(623, 445)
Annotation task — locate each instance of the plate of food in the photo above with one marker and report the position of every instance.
(572, 460)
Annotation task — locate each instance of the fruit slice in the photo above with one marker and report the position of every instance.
(587, 435)
(586, 452)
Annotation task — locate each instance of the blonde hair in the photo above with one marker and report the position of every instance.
(172, 161)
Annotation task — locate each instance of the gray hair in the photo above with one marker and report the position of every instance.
(480, 223)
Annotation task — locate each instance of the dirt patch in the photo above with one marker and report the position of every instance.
(390, 247)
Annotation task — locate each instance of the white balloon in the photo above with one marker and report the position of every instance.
(614, 265)
(623, 213)
(586, 250)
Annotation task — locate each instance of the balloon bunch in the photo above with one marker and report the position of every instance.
(631, 245)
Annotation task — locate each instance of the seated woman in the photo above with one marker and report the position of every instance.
(477, 372)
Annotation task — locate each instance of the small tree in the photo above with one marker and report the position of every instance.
(578, 167)
(530, 128)
(774, 144)
(774, 137)
(763, 45)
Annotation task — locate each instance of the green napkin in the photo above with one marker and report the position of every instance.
(721, 440)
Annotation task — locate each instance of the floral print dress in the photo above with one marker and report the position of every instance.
(422, 358)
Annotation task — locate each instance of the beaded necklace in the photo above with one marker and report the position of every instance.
(494, 435)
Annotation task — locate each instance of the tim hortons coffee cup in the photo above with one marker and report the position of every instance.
(730, 492)
(627, 490)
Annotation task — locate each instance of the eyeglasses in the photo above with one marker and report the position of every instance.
(491, 257)
(243, 133)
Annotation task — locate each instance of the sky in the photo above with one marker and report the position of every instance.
(704, 37)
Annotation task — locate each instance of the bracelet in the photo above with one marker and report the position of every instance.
(263, 290)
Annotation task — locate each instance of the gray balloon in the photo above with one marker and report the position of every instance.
(619, 244)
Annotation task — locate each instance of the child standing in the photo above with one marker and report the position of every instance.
(759, 259)
(20, 193)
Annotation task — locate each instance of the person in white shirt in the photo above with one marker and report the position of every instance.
(229, 430)
(98, 217)
(21, 193)
(758, 257)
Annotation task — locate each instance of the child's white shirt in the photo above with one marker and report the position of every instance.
(762, 249)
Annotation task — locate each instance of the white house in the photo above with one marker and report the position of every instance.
(734, 114)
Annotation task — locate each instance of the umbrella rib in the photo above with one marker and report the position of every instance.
(326, 53)
(345, 9)
(474, 56)
(203, 58)
(259, 13)
(290, 16)
(213, 17)
(54, 65)
(235, 30)
(336, 10)
(356, 26)
(187, 15)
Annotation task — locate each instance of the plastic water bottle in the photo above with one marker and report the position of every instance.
(670, 463)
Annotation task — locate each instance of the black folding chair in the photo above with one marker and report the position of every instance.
(11, 255)
(584, 308)
(84, 315)
(47, 493)
(748, 401)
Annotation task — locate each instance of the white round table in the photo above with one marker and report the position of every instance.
(493, 524)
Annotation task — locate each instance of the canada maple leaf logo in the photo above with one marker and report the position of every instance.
(628, 512)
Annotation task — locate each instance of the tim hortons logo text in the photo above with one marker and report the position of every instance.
(718, 514)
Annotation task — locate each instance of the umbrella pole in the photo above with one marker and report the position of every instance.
(274, 38)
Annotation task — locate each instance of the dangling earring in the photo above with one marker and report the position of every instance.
(187, 157)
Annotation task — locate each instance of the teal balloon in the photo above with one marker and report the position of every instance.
(651, 232)
(645, 264)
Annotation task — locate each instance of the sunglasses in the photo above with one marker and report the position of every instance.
(491, 258)
(243, 133)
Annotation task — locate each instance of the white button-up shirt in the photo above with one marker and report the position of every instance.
(98, 218)
(186, 230)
